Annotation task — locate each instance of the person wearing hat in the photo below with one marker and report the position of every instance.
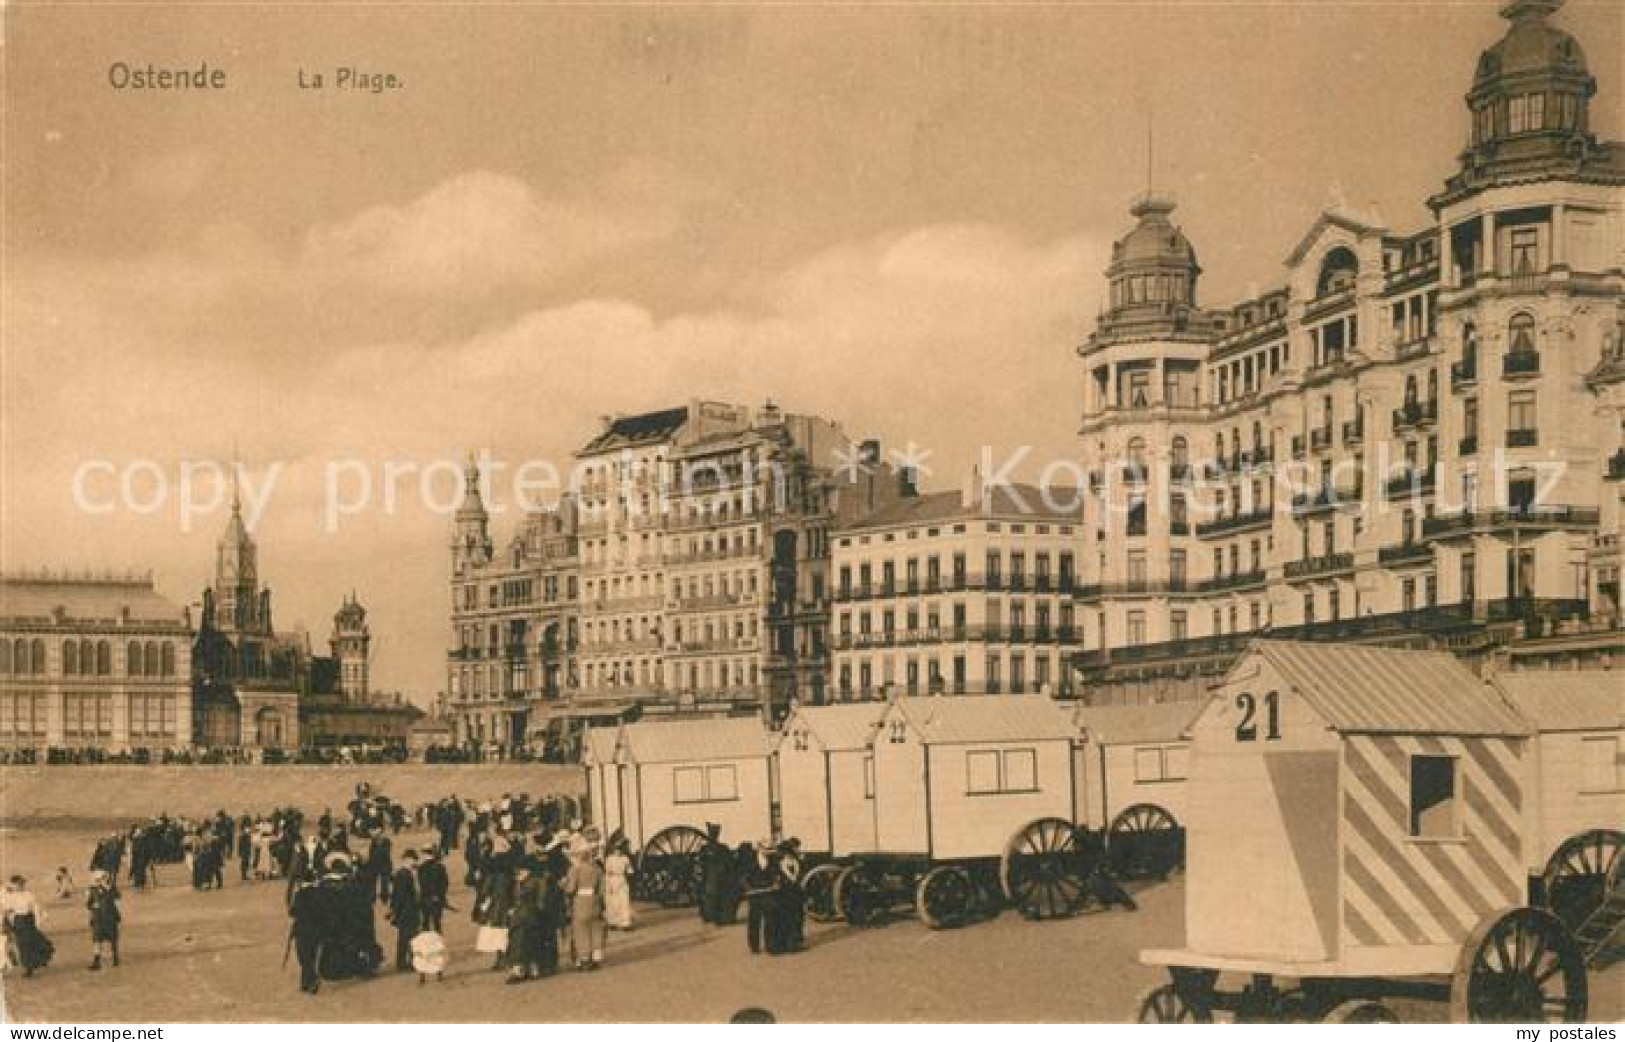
(307, 932)
(584, 886)
(405, 913)
(533, 928)
(762, 881)
(20, 919)
(716, 877)
(102, 904)
(787, 930)
(434, 886)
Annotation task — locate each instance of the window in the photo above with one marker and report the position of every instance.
(712, 783)
(991, 771)
(869, 776)
(1136, 628)
(1433, 797)
(1521, 411)
(1601, 769)
(1521, 333)
(1523, 252)
(1161, 763)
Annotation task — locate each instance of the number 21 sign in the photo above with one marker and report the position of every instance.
(1247, 726)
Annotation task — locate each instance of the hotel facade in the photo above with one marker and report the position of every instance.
(1416, 431)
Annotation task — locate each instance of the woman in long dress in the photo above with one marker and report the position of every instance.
(584, 886)
(492, 911)
(21, 917)
(618, 888)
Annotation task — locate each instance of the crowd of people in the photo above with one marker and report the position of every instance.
(763, 876)
(214, 756)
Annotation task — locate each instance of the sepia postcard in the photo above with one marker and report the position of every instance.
(943, 512)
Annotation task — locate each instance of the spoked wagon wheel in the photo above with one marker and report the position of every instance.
(1044, 870)
(819, 886)
(670, 866)
(1145, 843)
(946, 897)
(1580, 872)
(1165, 1005)
(1361, 1011)
(859, 896)
(1519, 966)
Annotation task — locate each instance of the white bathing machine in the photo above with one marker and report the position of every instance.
(668, 780)
(975, 801)
(1135, 777)
(825, 771)
(1574, 822)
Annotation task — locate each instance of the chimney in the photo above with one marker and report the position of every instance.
(869, 452)
(908, 482)
(970, 496)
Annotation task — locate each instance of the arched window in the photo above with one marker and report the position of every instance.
(5, 656)
(132, 659)
(167, 658)
(1521, 333)
(1135, 453)
(104, 658)
(1433, 385)
(36, 656)
(70, 658)
(1258, 435)
(1337, 272)
(149, 657)
(19, 656)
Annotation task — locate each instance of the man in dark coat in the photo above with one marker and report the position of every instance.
(433, 888)
(380, 865)
(309, 929)
(716, 878)
(762, 885)
(404, 911)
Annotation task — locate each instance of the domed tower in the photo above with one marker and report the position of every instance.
(1143, 409)
(1530, 104)
(471, 531)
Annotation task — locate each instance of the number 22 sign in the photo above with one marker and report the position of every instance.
(1247, 726)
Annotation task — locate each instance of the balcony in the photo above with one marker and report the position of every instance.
(1405, 553)
(1353, 432)
(1320, 439)
(1325, 564)
(1235, 522)
(1616, 466)
(1463, 373)
(1523, 439)
(1467, 446)
(1179, 528)
(1415, 414)
(1316, 502)
(1414, 481)
(1522, 517)
(1234, 580)
(1414, 347)
(1521, 363)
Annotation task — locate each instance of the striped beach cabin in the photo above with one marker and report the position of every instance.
(1354, 811)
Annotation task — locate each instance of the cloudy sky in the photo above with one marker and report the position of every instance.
(895, 216)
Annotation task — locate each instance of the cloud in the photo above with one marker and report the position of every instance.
(475, 233)
(947, 335)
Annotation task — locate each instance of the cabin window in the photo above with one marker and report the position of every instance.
(992, 771)
(1600, 767)
(1434, 797)
(1161, 763)
(710, 784)
(869, 777)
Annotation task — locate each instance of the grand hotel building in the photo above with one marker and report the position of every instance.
(1415, 432)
